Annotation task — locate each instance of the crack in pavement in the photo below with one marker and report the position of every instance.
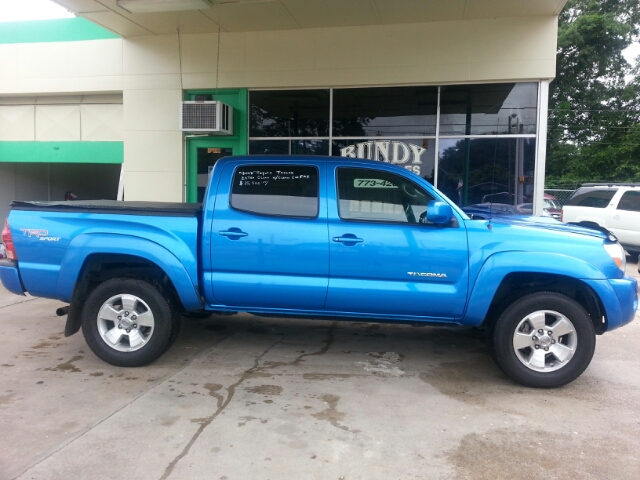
(205, 422)
(117, 410)
(19, 303)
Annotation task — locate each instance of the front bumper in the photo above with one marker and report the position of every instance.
(619, 298)
(10, 277)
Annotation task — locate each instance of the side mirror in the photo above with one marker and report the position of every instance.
(439, 213)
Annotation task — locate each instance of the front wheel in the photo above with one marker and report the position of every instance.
(543, 340)
(129, 322)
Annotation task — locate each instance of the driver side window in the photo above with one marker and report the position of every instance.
(376, 196)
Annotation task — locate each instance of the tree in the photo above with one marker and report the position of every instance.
(594, 114)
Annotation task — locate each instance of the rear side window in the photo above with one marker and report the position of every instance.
(592, 198)
(630, 201)
(278, 190)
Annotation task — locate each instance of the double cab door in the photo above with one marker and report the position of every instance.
(335, 239)
(269, 238)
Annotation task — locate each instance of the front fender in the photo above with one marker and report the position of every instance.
(498, 266)
(82, 246)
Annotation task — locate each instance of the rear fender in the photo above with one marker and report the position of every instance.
(82, 246)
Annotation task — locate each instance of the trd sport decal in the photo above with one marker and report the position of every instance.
(42, 235)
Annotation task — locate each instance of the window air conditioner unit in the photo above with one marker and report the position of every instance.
(208, 117)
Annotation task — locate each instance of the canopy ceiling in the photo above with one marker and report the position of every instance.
(263, 15)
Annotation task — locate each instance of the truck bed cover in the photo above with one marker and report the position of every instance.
(165, 209)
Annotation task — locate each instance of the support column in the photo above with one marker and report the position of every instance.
(541, 147)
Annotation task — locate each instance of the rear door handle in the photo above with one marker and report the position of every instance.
(348, 239)
(233, 233)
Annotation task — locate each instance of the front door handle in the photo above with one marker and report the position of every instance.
(233, 233)
(348, 239)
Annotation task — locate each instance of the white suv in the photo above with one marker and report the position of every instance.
(614, 207)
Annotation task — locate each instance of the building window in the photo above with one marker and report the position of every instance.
(289, 113)
(473, 142)
(289, 147)
(416, 155)
(385, 112)
(488, 109)
(480, 170)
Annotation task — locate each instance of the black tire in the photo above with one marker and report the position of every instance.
(107, 307)
(520, 323)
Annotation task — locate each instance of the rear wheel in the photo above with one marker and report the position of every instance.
(129, 322)
(543, 340)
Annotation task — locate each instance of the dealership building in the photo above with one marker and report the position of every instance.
(137, 99)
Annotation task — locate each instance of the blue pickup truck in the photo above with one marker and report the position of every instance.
(321, 237)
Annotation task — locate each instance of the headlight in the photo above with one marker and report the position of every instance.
(616, 252)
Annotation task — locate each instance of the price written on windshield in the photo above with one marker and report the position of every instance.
(372, 183)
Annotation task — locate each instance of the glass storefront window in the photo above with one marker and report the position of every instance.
(388, 111)
(417, 156)
(398, 125)
(480, 170)
(498, 108)
(289, 113)
(288, 147)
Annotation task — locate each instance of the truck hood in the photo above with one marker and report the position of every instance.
(548, 223)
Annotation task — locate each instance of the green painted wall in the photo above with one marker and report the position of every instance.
(58, 30)
(62, 152)
(239, 141)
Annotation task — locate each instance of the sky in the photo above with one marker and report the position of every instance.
(15, 10)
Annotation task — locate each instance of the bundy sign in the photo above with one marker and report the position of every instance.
(389, 151)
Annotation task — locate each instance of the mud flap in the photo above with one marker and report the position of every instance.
(74, 319)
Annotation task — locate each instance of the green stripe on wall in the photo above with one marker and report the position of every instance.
(62, 152)
(58, 30)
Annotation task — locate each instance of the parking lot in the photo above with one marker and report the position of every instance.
(245, 397)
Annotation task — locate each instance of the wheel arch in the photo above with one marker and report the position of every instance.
(497, 283)
(85, 251)
(519, 284)
(92, 259)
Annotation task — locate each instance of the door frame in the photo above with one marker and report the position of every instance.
(238, 142)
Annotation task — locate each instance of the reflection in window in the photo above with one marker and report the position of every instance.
(288, 147)
(279, 190)
(479, 170)
(376, 196)
(499, 108)
(389, 111)
(417, 156)
(289, 113)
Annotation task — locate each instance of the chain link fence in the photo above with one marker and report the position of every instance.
(561, 192)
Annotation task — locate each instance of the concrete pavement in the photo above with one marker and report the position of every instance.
(244, 397)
